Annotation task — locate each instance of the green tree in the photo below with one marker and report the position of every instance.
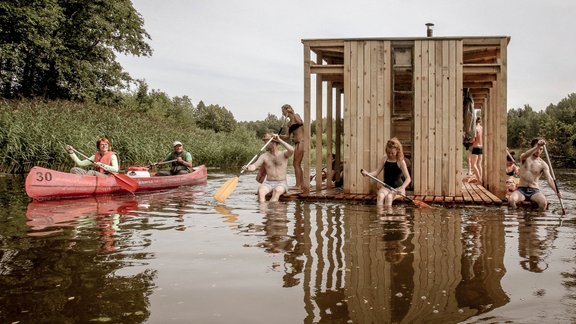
(270, 124)
(523, 126)
(559, 126)
(214, 117)
(66, 49)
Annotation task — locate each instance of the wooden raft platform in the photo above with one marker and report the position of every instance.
(472, 194)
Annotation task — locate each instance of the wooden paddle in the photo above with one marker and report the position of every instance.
(415, 202)
(555, 183)
(122, 180)
(511, 157)
(160, 163)
(228, 187)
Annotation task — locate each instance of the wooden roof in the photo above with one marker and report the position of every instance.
(480, 60)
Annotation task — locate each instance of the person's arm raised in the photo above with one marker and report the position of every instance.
(531, 151)
(289, 148)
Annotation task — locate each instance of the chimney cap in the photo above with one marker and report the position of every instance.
(429, 29)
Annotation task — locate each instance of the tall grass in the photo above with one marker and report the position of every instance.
(36, 132)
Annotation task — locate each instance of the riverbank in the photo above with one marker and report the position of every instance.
(34, 133)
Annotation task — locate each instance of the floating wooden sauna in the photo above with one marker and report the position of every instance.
(372, 89)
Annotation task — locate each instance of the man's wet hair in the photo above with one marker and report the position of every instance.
(534, 142)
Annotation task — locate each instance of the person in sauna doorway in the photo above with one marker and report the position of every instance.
(395, 169)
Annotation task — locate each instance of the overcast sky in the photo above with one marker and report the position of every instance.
(247, 55)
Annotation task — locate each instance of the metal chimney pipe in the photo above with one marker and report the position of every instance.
(429, 29)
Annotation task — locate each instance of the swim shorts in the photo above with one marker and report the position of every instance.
(528, 192)
(477, 150)
(271, 184)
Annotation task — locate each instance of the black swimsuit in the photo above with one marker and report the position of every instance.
(294, 127)
(392, 174)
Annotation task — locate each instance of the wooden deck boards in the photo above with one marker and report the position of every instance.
(472, 194)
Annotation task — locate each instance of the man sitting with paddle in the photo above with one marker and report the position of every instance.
(181, 161)
(394, 167)
(531, 168)
(275, 162)
(104, 160)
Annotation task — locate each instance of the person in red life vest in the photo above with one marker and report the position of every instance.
(103, 161)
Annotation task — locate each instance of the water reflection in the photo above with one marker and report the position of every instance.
(535, 241)
(394, 222)
(400, 264)
(102, 212)
(275, 227)
(482, 263)
(83, 261)
(179, 256)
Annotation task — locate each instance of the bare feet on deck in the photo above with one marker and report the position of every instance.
(473, 180)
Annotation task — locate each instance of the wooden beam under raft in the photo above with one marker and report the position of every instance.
(472, 194)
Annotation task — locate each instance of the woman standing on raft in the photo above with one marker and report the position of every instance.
(296, 131)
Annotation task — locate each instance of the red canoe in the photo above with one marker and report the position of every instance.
(44, 183)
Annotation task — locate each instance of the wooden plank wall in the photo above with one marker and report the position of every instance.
(319, 130)
(338, 141)
(437, 117)
(366, 110)
(488, 148)
(437, 162)
(384, 99)
(495, 138)
(502, 120)
(307, 113)
(329, 133)
(349, 84)
(495, 126)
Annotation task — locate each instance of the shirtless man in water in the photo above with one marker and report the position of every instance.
(531, 168)
(275, 162)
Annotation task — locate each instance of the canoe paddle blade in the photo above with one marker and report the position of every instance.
(126, 182)
(226, 189)
(419, 203)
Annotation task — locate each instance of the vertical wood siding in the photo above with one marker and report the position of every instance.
(434, 129)
(366, 88)
(437, 118)
(437, 124)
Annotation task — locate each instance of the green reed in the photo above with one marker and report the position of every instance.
(34, 132)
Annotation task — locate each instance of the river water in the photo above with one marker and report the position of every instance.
(180, 257)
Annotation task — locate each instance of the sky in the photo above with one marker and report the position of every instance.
(247, 55)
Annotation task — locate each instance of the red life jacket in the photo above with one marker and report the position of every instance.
(106, 159)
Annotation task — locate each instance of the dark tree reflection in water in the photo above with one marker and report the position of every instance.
(178, 256)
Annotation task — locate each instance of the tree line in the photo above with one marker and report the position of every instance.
(60, 56)
(65, 49)
(556, 124)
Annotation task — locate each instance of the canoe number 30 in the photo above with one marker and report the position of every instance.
(43, 176)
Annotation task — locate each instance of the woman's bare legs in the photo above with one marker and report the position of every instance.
(298, 156)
